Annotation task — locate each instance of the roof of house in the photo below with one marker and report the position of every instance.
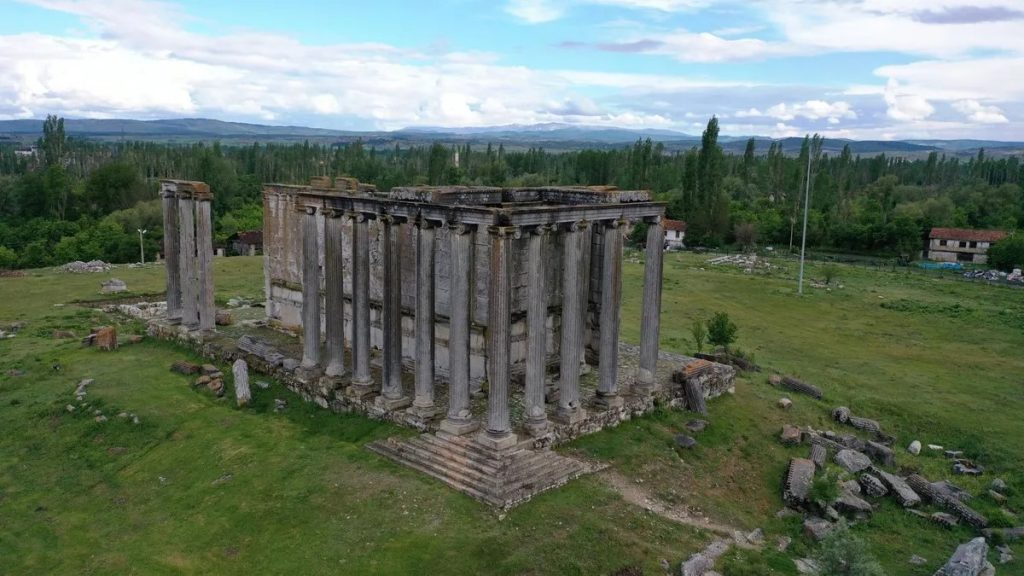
(967, 234)
(251, 237)
(674, 225)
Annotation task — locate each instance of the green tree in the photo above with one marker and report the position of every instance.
(699, 333)
(8, 258)
(721, 330)
(113, 186)
(54, 141)
(437, 164)
(1008, 253)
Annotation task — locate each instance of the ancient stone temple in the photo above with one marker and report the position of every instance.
(470, 288)
(487, 318)
(188, 249)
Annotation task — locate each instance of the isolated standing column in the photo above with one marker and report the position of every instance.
(172, 246)
(536, 331)
(334, 292)
(459, 420)
(310, 290)
(611, 297)
(650, 320)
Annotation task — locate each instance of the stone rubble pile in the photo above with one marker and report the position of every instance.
(78, 267)
(113, 286)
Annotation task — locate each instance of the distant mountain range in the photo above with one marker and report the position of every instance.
(553, 136)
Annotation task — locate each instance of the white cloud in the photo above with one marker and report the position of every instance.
(978, 112)
(534, 11)
(905, 106)
(812, 110)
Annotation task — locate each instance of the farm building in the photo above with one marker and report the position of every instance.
(961, 244)
(675, 233)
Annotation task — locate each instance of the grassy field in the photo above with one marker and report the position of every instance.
(200, 486)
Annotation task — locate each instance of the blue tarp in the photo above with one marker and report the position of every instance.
(940, 265)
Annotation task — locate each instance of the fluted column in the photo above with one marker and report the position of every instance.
(536, 331)
(423, 403)
(310, 290)
(362, 383)
(392, 395)
(172, 247)
(611, 299)
(334, 292)
(187, 261)
(459, 420)
(204, 260)
(573, 302)
(650, 320)
(499, 337)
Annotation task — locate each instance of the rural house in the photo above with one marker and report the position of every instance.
(961, 244)
(249, 243)
(675, 232)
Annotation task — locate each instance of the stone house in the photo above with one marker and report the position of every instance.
(961, 244)
(248, 243)
(675, 234)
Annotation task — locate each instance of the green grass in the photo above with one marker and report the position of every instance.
(932, 359)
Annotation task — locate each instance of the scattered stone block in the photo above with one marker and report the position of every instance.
(934, 447)
(216, 386)
(818, 528)
(696, 426)
(290, 364)
(841, 414)
(203, 380)
(872, 486)
(969, 559)
(756, 537)
(790, 435)
(997, 496)
(967, 468)
(795, 385)
(866, 424)
(704, 561)
(807, 566)
(964, 512)
(223, 319)
(782, 543)
(880, 453)
(134, 338)
(851, 503)
(917, 560)
(240, 370)
(915, 447)
(113, 286)
(69, 408)
(684, 441)
(106, 338)
(819, 455)
(775, 380)
(101, 418)
(209, 369)
(280, 405)
(262, 384)
(1005, 554)
(852, 461)
(695, 397)
(785, 403)
(798, 482)
(903, 492)
(185, 367)
(998, 484)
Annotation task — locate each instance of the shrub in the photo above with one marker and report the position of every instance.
(721, 330)
(699, 334)
(1007, 254)
(824, 488)
(829, 272)
(8, 258)
(843, 554)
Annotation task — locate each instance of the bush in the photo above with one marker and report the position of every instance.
(721, 330)
(8, 258)
(829, 272)
(1007, 254)
(843, 554)
(699, 334)
(824, 488)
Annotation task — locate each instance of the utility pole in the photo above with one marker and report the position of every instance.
(142, 249)
(807, 201)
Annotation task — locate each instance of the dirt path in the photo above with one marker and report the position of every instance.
(634, 494)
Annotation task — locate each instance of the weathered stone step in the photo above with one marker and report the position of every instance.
(469, 468)
(441, 474)
(469, 446)
(455, 452)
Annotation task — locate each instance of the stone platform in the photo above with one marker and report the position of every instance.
(499, 478)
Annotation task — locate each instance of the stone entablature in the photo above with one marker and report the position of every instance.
(494, 264)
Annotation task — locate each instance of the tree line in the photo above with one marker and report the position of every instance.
(81, 199)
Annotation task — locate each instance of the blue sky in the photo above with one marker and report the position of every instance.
(844, 68)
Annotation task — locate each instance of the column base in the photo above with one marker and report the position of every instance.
(335, 371)
(570, 415)
(359, 391)
(457, 427)
(174, 320)
(424, 412)
(609, 401)
(537, 428)
(502, 442)
(392, 403)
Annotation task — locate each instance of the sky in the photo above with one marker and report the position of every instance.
(865, 69)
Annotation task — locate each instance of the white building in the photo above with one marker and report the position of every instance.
(961, 244)
(675, 233)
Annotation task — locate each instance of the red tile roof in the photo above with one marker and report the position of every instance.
(674, 225)
(967, 234)
(251, 237)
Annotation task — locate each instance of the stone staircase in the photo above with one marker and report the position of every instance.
(500, 478)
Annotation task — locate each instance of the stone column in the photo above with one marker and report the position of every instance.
(392, 396)
(172, 247)
(334, 292)
(574, 300)
(499, 338)
(187, 261)
(650, 320)
(423, 403)
(611, 299)
(459, 420)
(536, 332)
(310, 290)
(204, 259)
(362, 383)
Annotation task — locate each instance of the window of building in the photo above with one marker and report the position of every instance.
(963, 244)
(974, 244)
